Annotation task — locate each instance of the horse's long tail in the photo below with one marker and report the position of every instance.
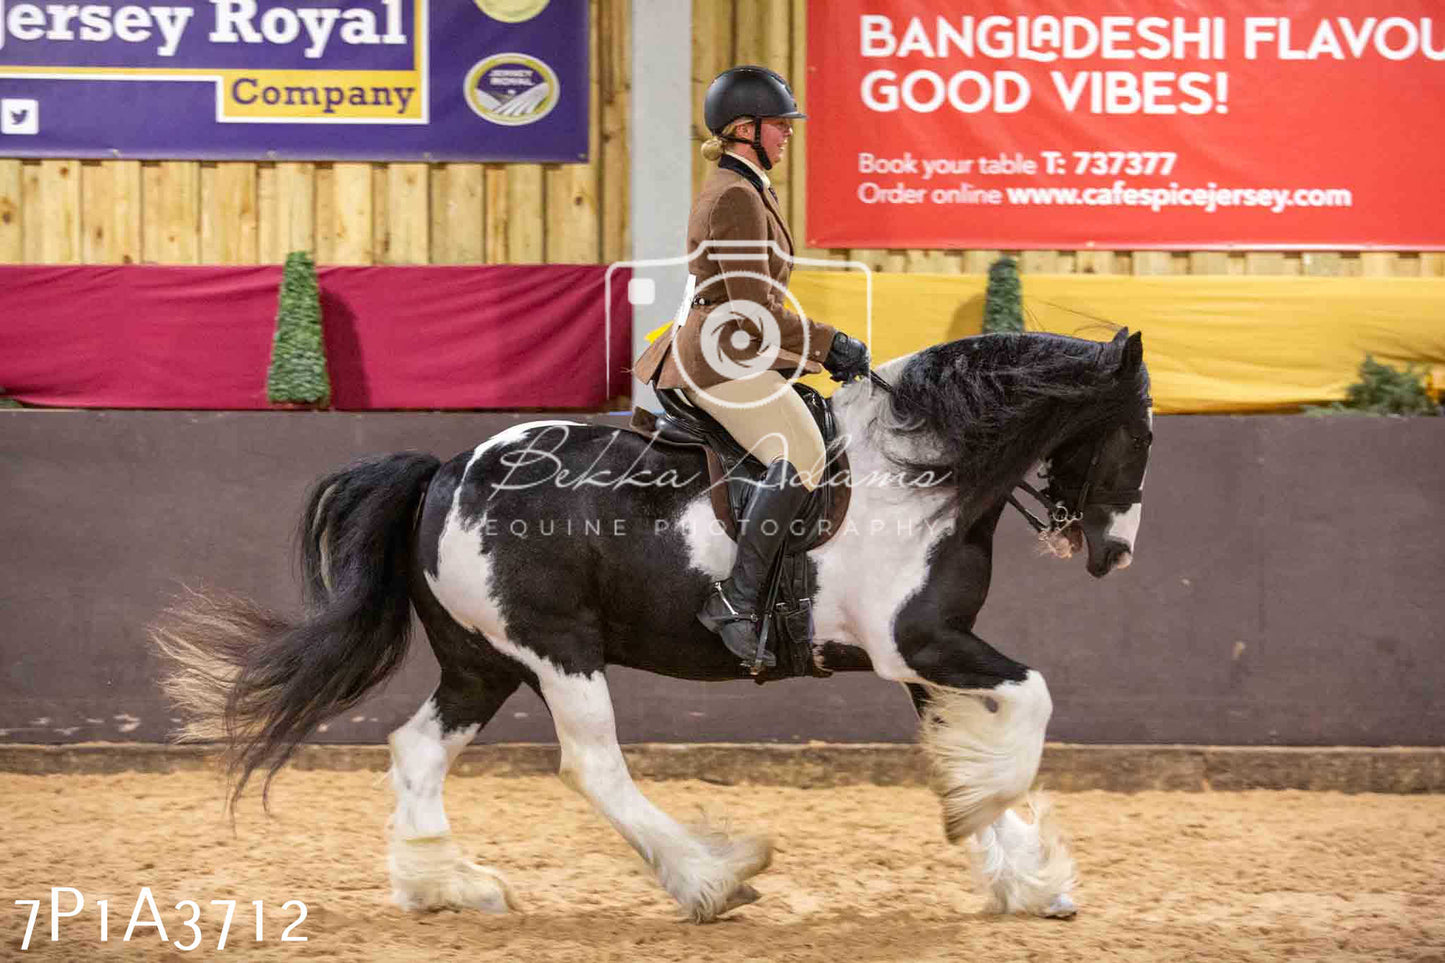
(260, 684)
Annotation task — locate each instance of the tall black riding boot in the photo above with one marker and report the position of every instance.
(732, 608)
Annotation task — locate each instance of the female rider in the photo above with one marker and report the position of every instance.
(730, 354)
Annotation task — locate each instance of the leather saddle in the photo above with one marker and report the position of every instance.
(733, 476)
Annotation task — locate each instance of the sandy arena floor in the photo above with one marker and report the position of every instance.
(861, 873)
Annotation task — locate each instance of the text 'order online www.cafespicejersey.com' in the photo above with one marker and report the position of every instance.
(965, 180)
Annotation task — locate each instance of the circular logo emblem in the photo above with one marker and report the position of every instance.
(511, 89)
(740, 339)
(512, 11)
(725, 343)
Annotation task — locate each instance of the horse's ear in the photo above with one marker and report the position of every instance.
(1133, 356)
(1121, 337)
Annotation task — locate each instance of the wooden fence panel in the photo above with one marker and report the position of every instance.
(12, 212)
(408, 215)
(1153, 262)
(171, 212)
(525, 210)
(230, 226)
(32, 218)
(614, 185)
(286, 205)
(60, 211)
(110, 201)
(496, 246)
(573, 221)
(351, 206)
(1208, 262)
(457, 215)
(712, 46)
(1039, 262)
(1378, 264)
(380, 252)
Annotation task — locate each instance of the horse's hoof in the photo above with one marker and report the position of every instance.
(1062, 908)
(741, 896)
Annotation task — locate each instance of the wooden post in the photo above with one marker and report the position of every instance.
(457, 220)
(60, 211)
(494, 215)
(230, 225)
(350, 211)
(525, 207)
(171, 224)
(408, 218)
(615, 174)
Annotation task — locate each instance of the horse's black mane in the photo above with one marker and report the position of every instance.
(986, 409)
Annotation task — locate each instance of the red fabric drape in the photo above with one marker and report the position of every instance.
(396, 337)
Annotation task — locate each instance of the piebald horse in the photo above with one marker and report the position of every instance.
(556, 548)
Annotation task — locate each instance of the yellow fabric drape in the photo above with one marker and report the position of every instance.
(1212, 344)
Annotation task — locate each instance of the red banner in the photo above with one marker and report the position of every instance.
(1098, 123)
(396, 337)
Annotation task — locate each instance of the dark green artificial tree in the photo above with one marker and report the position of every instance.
(1382, 390)
(298, 355)
(1003, 304)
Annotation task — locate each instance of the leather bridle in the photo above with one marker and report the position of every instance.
(1056, 497)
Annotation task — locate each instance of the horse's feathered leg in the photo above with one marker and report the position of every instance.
(428, 870)
(985, 745)
(703, 869)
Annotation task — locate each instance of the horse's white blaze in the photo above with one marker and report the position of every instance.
(428, 870)
(1124, 525)
(702, 871)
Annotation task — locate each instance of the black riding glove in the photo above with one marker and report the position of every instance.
(847, 358)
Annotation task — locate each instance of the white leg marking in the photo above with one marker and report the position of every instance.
(428, 870)
(1024, 867)
(983, 763)
(704, 871)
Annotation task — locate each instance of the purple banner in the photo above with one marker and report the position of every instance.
(385, 80)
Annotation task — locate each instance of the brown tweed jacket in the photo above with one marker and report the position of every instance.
(731, 207)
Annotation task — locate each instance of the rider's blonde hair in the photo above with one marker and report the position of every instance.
(714, 147)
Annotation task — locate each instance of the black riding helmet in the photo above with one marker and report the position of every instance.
(753, 93)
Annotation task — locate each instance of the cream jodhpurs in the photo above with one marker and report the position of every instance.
(780, 428)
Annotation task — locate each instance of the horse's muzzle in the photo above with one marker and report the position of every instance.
(1116, 554)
